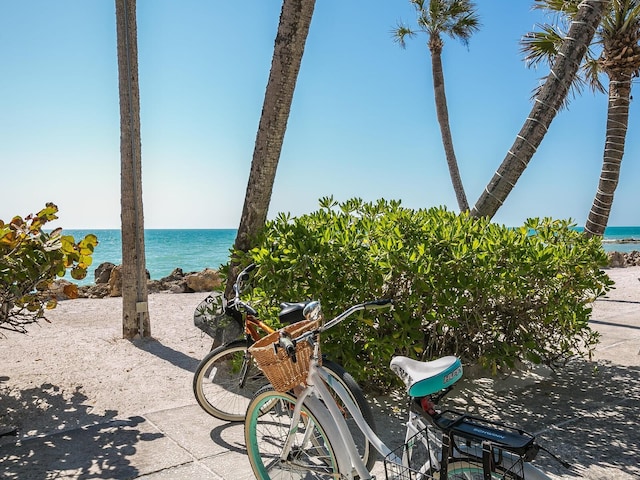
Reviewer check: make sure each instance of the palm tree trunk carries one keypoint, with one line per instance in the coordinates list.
(293, 28)
(443, 119)
(547, 103)
(135, 313)
(617, 123)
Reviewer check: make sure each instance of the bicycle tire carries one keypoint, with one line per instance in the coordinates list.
(218, 383)
(472, 469)
(312, 455)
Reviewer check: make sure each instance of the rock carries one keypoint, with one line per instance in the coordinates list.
(179, 288)
(94, 291)
(177, 282)
(624, 259)
(155, 286)
(633, 258)
(115, 282)
(204, 281)
(103, 272)
(62, 290)
(174, 276)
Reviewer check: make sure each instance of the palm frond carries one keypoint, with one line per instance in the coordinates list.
(541, 46)
(575, 90)
(590, 71)
(562, 7)
(400, 33)
(455, 18)
(623, 18)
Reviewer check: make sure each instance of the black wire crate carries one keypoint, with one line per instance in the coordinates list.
(471, 459)
(467, 459)
(417, 456)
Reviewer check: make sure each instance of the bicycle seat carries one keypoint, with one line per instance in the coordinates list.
(291, 312)
(425, 378)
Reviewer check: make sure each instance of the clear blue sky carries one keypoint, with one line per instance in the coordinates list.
(362, 123)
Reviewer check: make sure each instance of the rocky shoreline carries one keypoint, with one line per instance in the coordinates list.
(108, 281)
(624, 259)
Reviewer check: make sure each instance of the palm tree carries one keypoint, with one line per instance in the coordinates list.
(135, 313)
(549, 99)
(457, 19)
(293, 28)
(616, 40)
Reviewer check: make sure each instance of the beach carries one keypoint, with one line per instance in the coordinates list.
(77, 371)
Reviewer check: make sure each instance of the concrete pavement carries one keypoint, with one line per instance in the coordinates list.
(587, 413)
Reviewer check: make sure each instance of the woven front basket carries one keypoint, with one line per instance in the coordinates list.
(277, 366)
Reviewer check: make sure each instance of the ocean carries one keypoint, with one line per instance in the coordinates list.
(165, 250)
(195, 250)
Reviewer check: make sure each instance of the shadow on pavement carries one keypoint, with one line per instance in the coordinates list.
(168, 354)
(585, 413)
(99, 447)
(222, 436)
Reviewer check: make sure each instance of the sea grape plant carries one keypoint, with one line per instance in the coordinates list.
(30, 260)
(490, 294)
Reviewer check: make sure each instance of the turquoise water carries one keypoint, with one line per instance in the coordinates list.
(621, 239)
(195, 250)
(165, 250)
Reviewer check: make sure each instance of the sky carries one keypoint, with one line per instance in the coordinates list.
(362, 123)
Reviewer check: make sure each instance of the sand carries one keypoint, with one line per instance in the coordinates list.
(77, 370)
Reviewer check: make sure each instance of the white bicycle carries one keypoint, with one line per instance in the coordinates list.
(306, 437)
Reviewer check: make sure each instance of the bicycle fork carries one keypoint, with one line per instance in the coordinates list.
(308, 440)
(344, 447)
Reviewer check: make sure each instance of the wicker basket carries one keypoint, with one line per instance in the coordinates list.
(277, 366)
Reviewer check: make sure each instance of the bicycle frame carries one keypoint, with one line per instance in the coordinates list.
(251, 326)
(317, 386)
(439, 442)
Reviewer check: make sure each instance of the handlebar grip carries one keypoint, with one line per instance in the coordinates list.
(380, 303)
(288, 345)
(244, 274)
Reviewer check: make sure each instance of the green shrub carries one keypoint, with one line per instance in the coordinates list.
(490, 294)
(30, 260)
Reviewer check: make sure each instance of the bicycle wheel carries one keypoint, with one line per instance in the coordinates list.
(473, 470)
(267, 426)
(365, 449)
(226, 380)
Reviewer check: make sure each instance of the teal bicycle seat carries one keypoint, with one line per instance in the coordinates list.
(425, 378)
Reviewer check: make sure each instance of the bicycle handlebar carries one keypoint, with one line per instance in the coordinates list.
(236, 302)
(371, 305)
(313, 311)
(377, 304)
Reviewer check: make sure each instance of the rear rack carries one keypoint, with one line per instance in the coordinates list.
(456, 445)
(421, 458)
(501, 436)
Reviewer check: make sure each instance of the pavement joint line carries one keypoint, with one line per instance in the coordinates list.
(148, 474)
(592, 414)
(621, 342)
(612, 324)
(194, 459)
